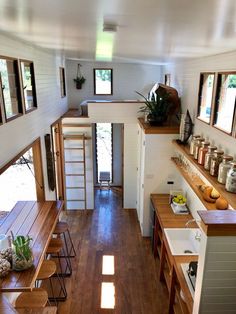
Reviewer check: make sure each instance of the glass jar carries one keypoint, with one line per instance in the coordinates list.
(193, 143)
(224, 168)
(231, 179)
(208, 156)
(197, 147)
(202, 152)
(215, 162)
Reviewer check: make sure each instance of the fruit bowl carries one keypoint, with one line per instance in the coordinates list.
(178, 204)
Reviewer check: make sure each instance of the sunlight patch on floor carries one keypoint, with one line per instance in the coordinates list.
(108, 295)
(108, 267)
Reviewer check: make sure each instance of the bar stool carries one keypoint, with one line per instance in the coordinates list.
(48, 270)
(62, 228)
(37, 298)
(55, 248)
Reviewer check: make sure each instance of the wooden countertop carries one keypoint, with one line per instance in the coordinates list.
(166, 128)
(168, 219)
(165, 214)
(38, 220)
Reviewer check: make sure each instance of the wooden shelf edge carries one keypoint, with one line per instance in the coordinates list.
(230, 197)
(193, 185)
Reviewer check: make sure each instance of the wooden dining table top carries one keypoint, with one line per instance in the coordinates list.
(38, 220)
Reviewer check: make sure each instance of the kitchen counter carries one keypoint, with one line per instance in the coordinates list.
(170, 266)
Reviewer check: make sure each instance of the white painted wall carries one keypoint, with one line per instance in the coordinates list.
(17, 134)
(126, 113)
(127, 78)
(157, 169)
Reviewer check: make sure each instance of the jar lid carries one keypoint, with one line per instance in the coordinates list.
(233, 165)
(219, 152)
(205, 144)
(227, 157)
(200, 140)
(212, 148)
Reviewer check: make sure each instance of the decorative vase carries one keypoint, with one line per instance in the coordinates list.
(21, 260)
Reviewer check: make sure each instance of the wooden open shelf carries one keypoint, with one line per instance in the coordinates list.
(230, 197)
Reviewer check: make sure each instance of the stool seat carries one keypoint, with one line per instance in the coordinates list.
(55, 246)
(61, 227)
(47, 270)
(33, 299)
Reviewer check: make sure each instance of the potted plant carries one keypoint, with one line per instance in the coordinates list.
(22, 257)
(80, 79)
(156, 108)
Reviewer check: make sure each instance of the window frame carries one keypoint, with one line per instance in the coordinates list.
(4, 118)
(216, 105)
(167, 79)
(94, 81)
(34, 95)
(62, 81)
(212, 98)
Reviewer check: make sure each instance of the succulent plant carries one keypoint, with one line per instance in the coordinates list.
(22, 247)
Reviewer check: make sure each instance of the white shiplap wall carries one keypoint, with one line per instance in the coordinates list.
(185, 78)
(17, 134)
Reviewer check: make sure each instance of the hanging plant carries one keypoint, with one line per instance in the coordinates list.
(80, 79)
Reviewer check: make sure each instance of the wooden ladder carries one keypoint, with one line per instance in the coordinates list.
(83, 162)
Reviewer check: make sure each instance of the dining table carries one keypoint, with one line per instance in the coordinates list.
(37, 220)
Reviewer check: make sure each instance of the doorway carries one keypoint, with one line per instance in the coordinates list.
(108, 141)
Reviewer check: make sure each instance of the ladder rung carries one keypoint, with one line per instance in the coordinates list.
(76, 200)
(74, 162)
(73, 148)
(74, 174)
(76, 137)
(75, 187)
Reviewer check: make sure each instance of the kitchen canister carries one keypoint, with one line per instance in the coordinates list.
(193, 143)
(230, 185)
(224, 167)
(202, 152)
(208, 156)
(197, 147)
(215, 162)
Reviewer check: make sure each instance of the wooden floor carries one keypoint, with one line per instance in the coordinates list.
(111, 230)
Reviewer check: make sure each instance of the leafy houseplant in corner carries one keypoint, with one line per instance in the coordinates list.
(22, 257)
(156, 108)
(80, 79)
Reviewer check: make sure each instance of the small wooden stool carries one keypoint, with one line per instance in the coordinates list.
(55, 248)
(62, 228)
(48, 270)
(33, 299)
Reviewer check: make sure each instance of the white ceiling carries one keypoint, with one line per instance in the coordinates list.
(153, 31)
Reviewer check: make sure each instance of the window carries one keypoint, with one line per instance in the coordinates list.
(103, 81)
(10, 88)
(62, 82)
(167, 79)
(225, 101)
(205, 96)
(28, 85)
(22, 177)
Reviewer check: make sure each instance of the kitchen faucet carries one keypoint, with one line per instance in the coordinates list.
(198, 234)
(189, 222)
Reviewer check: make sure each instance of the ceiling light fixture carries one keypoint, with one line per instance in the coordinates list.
(111, 28)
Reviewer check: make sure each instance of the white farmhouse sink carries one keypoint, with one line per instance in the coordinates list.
(183, 241)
